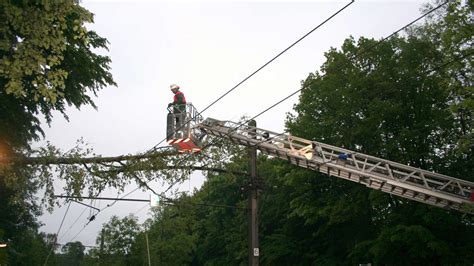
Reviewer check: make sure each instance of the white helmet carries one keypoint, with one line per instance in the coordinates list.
(174, 86)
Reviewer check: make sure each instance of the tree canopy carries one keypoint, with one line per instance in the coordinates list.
(407, 99)
(48, 61)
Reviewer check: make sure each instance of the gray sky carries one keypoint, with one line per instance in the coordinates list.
(206, 48)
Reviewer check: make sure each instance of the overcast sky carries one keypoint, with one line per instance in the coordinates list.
(206, 48)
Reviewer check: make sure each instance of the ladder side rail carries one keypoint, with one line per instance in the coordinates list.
(301, 143)
(388, 169)
(370, 157)
(377, 159)
(370, 177)
(402, 172)
(405, 173)
(373, 164)
(367, 160)
(411, 190)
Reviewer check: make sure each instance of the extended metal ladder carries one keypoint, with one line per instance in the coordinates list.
(390, 177)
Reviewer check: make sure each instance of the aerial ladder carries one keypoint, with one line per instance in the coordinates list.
(376, 173)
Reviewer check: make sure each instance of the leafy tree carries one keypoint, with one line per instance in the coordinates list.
(46, 63)
(115, 240)
(394, 101)
(223, 231)
(207, 228)
(18, 222)
(452, 30)
(171, 237)
(73, 254)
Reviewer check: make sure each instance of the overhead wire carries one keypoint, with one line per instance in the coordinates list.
(253, 73)
(168, 201)
(154, 148)
(57, 234)
(260, 68)
(256, 71)
(141, 209)
(80, 231)
(100, 210)
(75, 221)
(358, 54)
(364, 50)
(110, 205)
(289, 96)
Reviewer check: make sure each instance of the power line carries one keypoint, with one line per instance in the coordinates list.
(100, 198)
(245, 79)
(82, 229)
(90, 206)
(75, 221)
(166, 201)
(109, 205)
(406, 26)
(260, 68)
(141, 209)
(56, 236)
(292, 94)
(369, 48)
(117, 199)
(252, 74)
(299, 90)
(91, 218)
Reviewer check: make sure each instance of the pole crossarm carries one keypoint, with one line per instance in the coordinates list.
(390, 177)
(164, 200)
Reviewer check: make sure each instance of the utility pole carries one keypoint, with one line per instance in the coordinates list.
(148, 249)
(254, 251)
(101, 253)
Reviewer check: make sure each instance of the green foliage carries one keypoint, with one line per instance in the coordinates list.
(18, 224)
(46, 63)
(379, 102)
(118, 235)
(452, 30)
(114, 242)
(25, 247)
(397, 100)
(393, 100)
(407, 99)
(193, 231)
(405, 245)
(73, 254)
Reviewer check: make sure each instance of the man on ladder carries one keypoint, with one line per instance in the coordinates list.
(178, 111)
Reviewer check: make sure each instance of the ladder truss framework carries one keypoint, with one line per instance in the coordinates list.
(390, 177)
